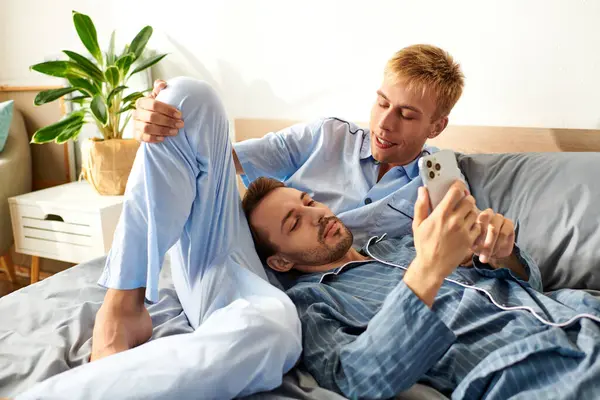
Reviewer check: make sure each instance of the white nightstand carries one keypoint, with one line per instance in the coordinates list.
(70, 222)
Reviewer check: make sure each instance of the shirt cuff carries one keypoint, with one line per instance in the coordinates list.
(243, 150)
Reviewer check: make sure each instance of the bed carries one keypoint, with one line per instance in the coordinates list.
(46, 328)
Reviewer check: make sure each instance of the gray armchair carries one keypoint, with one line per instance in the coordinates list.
(15, 179)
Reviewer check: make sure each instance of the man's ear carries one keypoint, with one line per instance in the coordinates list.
(279, 263)
(438, 127)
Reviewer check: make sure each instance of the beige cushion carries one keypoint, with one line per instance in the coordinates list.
(15, 174)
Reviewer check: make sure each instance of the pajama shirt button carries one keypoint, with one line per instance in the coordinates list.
(368, 200)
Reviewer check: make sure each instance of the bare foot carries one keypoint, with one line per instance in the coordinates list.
(123, 322)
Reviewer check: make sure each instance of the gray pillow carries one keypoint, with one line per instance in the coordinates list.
(554, 198)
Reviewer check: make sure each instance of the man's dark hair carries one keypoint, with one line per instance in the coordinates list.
(256, 192)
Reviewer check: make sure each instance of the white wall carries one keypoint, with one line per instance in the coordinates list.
(528, 62)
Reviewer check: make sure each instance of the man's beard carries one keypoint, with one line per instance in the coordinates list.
(324, 253)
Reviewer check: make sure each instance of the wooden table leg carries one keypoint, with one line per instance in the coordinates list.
(35, 269)
(9, 267)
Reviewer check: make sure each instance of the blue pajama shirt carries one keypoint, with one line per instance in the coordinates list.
(489, 334)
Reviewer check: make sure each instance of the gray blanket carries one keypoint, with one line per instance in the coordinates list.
(46, 329)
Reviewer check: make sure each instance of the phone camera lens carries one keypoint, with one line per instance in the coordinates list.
(429, 164)
(438, 167)
(431, 174)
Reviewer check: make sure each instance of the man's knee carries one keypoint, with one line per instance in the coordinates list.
(206, 124)
(189, 95)
(278, 324)
(275, 320)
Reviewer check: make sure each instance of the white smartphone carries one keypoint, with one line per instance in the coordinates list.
(439, 171)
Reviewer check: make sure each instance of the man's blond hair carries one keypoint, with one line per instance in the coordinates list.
(424, 67)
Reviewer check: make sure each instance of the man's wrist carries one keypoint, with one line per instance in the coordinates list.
(503, 262)
(423, 280)
(512, 263)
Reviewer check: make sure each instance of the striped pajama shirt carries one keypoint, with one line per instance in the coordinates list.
(489, 334)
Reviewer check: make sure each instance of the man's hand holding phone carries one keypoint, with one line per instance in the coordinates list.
(442, 239)
(439, 171)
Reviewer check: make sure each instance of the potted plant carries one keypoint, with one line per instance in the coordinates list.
(98, 85)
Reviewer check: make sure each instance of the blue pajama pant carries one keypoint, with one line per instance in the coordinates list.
(182, 197)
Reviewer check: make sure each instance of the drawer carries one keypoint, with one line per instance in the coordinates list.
(49, 217)
(57, 236)
(54, 232)
(58, 250)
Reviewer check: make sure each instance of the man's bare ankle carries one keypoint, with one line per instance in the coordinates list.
(125, 300)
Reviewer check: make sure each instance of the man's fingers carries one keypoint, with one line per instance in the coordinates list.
(506, 240)
(421, 207)
(505, 249)
(484, 219)
(149, 104)
(471, 219)
(476, 231)
(155, 130)
(158, 86)
(145, 137)
(493, 232)
(452, 197)
(160, 83)
(465, 207)
(155, 118)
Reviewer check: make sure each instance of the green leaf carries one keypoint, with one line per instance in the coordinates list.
(132, 97)
(148, 63)
(99, 109)
(124, 62)
(127, 108)
(50, 132)
(61, 69)
(71, 132)
(47, 96)
(87, 33)
(138, 44)
(112, 75)
(113, 93)
(78, 99)
(84, 86)
(110, 54)
(86, 65)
